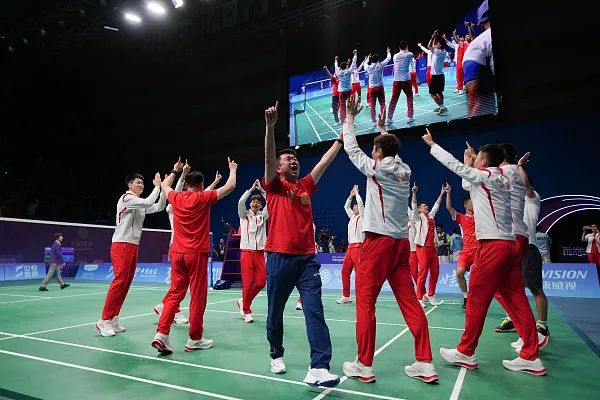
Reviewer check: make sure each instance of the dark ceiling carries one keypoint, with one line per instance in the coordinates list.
(86, 102)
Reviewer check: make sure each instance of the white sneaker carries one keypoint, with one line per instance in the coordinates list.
(202, 344)
(375, 125)
(298, 306)
(455, 91)
(534, 367)
(104, 328)
(442, 111)
(410, 120)
(248, 318)
(542, 342)
(431, 300)
(240, 305)
(455, 357)
(344, 300)
(116, 326)
(158, 309)
(388, 121)
(336, 124)
(321, 377)
(355, 369)
(278, 366)
(180, 318)
(460, 92)
(416, 94)
(162, 344)
(422, 303)
(424, 371)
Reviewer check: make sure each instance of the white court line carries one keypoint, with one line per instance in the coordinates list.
(93, 323)
(21, 295)
(313, 125)
(326, 123)
(458, 385)
(335, 320)
(37, 221)
(69, 296)
(123, 376)
(389, 342)
(187, 364)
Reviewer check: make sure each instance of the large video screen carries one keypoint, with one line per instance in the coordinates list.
(450, 80)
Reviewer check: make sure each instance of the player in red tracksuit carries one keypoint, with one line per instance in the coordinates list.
(355, 239)
(495, 267)
(385, 252)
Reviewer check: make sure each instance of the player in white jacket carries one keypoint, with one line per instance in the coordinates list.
(355, 239)
(131, 212)
(385, 251)
(494, 271)
(253, 234)
(426, 242)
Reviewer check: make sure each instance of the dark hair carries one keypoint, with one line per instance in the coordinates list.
(286, 151)
(456, 230)
(403, 45)
(343, 65)
(194, 178)
(419, 204)
(375, 58)
(440, 40)
(257, 197)
(510, 152)
(465, 199)
(132, 177)
(439, 226)
(57, 235)
(389, 145)
(493, 154)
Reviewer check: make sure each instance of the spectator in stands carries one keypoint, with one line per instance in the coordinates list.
(56, 263)
(543, 243)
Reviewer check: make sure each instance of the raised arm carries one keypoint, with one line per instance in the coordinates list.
(470, 174)
(356, 155)
(242, 201)
(181, 180)
(359, 201)
(270, 158)
(134, 202)
(348, 203)
(528, 186)
(425, 49)
(437, 204)
(214, 183)
(449, 207)
(387, 58)
(327, 70)
(353, 64)
(319, 169)
(469, 26)
(413, 204)
(584, 235)
(455, 37)
(231, 180)
(168, 182)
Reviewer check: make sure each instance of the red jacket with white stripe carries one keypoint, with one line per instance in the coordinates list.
(131, 212)
(421, 224)
(355, 234)
(253, 227)
(387, 189)
(490, 193)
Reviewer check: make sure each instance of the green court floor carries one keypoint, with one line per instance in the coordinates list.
(317, 123)
(50, 350)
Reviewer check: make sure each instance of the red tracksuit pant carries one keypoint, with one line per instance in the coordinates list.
(460, 76)
(413, 81)
(124, 258)
(414, 266)
(187, 269)
(254, 276)
(350, 263)
(397, 88)
(376, 94)
(496, 269)
(343, 97)
(385, 258)
(429, 263)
